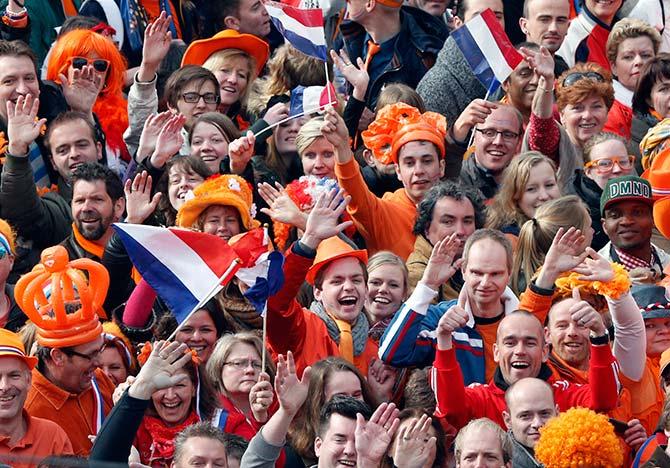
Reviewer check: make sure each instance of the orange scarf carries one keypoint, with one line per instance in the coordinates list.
(98, 250)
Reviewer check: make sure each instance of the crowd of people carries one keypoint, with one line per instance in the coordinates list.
(472, 276)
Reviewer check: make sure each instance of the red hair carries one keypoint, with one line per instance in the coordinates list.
(110, 107)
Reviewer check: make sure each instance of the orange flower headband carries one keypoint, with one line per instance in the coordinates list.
(56, 328)
(613, 289)
(399, 124)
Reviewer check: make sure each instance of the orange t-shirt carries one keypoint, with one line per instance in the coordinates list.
(73, 412)
(42, 439)
(488, 331)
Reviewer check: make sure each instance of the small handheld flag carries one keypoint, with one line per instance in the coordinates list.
(488, 50)
(303, 28)
(311, 99)
(185, 268)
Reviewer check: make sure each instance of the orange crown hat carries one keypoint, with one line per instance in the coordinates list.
(228, 190)
(658, 175)
(330, 250)
(12, 346)
(56, 328)
(199, 51)
(399, 124)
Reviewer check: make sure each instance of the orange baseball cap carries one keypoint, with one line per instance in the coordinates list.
(330, 250)
(12, 346)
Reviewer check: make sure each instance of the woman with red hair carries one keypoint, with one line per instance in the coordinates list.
(82, 47)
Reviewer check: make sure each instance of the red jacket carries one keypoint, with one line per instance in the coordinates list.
(294, 328)
(459, 404)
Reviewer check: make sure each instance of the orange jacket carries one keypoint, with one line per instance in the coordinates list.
(385, 223)
(74, 413)
(294, 328)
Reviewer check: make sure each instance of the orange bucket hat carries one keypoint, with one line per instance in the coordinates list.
(228, 190)
(56, 328)
(330, 250)
(12, 346)
(400, 123)
(199, 51)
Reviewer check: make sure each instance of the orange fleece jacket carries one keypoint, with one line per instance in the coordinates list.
(385, 223)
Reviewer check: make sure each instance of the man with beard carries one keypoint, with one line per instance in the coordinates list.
(67, 386)
(71, 138)
(627, 219)
(24, 439)
(97, 202)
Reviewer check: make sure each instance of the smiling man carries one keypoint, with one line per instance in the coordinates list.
(530, 404)
(627, 219)
(417, 149)
(24, 439)
(486, 265)
(335, 324)
(67, 386)
(498, 130)
(520, 351)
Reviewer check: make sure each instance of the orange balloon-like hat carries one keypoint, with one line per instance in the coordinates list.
(400, 123)
(56, 328)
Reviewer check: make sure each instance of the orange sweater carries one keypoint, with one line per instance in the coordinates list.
(385, 223)
(74, 413)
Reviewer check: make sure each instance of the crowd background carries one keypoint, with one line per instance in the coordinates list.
(472, 277)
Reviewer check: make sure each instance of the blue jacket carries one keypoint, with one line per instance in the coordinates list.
(420, 39)
(410, 338)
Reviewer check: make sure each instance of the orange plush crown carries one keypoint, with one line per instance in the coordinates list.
(56, 328)
(400, 123)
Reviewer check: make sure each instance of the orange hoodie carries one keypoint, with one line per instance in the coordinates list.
(385, 223)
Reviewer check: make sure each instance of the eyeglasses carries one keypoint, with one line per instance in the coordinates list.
(491, 133)
(89, 357)
(241, 364)
(192, 98)
(100, 65)
(606, 165)
(573, 78)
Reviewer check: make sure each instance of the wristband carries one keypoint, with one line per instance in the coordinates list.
(600, 340)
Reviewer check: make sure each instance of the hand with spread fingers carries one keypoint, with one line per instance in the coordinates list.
(139, 202)
(169, 141)
(81, 88)
(323, 221)
(565, 253)
(23, 127)
(161, 369)
(415, 447)
(442, 263)
(355, 73)
(595, 267)
(281, 207)
(373, 437)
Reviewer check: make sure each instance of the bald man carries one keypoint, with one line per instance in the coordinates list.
(530, 404)
(521, 351)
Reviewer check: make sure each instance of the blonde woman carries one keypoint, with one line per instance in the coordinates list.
(537, 234)
(528, 182)
(388, 288)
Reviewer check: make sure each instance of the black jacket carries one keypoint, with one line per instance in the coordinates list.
(420, 39)
(586, 189)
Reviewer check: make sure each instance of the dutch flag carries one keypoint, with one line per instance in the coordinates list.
(303, 28)
(185, 268)
(487, 49)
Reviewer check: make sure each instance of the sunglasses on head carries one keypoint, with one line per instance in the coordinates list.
(573, 78)
(100, 65)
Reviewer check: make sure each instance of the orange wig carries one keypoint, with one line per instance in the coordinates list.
(110, 107)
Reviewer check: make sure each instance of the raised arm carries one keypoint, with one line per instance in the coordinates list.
(407, 340)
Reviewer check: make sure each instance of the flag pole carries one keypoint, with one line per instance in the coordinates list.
(486, 98)
(265, 335)
(291, 117)
(215, 289)
(330, 96)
